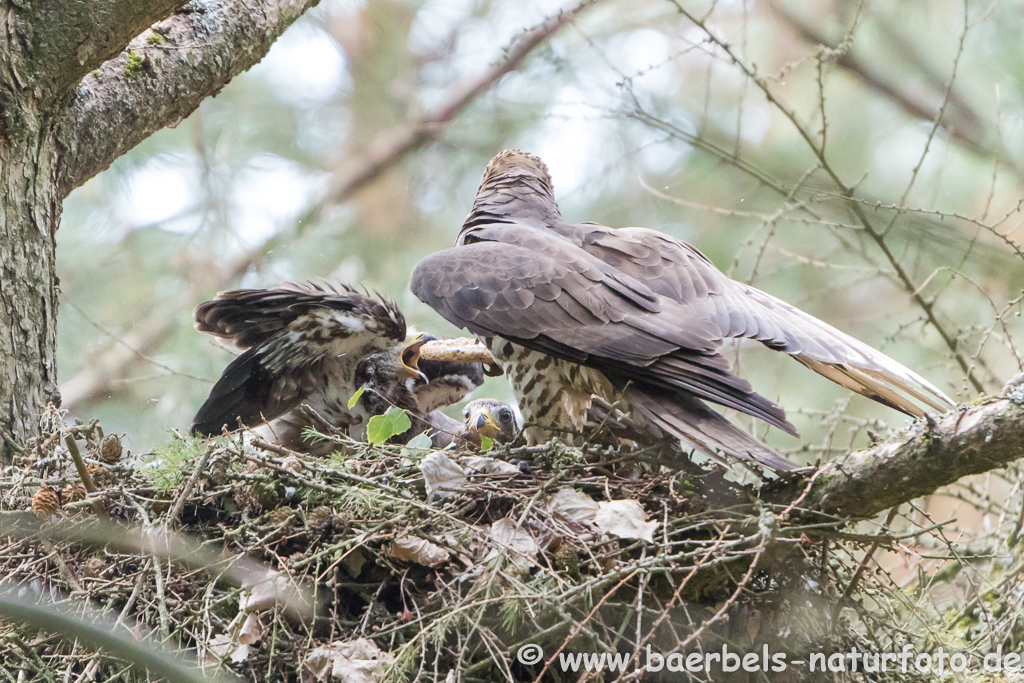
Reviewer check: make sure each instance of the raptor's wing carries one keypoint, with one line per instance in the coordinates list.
(536, 289)
(679, 271)
(289, 334)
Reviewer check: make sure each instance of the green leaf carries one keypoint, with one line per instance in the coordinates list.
(380, 428)
(421, 440)
(355, 397)
(486, 443)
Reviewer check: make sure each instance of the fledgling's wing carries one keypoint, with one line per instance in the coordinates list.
(290, 335)
(250, 317)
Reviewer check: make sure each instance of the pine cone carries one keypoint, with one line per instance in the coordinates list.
(93, 567)
(320, 517)
(46, 502)
(266, 495)
(110, 449)
(568, 560)
(341, 521)
(72, 493)
(218, 471)
(292, 464)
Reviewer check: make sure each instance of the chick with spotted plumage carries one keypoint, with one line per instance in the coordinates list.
(307, 350)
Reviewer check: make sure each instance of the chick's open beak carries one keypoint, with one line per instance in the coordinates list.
(416, 374)
(411, 357)
(485, 424)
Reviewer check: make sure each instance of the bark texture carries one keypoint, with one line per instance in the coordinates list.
(58, 129)
(974, 439)
(66, 40)
(28, 298)
(162, 77)
(29, 213)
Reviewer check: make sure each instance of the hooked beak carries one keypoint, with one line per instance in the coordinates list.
(485, 425)
(411, 357)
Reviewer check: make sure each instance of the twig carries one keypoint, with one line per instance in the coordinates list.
(179, 504)
(848, 193)
(76, 457)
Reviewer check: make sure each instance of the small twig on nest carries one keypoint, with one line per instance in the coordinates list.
(179, 504)
(76, 457)
(11, 443)
(158, 577)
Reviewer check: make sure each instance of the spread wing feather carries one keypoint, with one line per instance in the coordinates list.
(247, 395)
(250, 317)
(680, 272)
(702, 428)
(291, 336)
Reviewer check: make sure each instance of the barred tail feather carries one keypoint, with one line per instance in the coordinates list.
(851, 363)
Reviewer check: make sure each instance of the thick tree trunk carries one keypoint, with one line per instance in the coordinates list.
(29, 213)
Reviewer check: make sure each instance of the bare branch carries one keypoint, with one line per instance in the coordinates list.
(66, 40)
(975, 439)
(163, 76)
(961, 122)
(429, 127)
(849, 193)
(96, 377)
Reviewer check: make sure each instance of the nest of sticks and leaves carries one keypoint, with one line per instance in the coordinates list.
(401, 563)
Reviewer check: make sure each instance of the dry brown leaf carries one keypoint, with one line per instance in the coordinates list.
(573, 506)
(522, 549)
(356, 661)
(421, 551)
(224, 647)
(235, 645)
(252, 630)
(443, 476)
(354, 561)
(268, 589)
(484, 465)
(625, 519)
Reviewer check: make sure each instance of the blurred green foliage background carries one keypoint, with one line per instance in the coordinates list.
(643, 120)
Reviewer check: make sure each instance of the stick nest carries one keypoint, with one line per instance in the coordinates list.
(426, 563)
